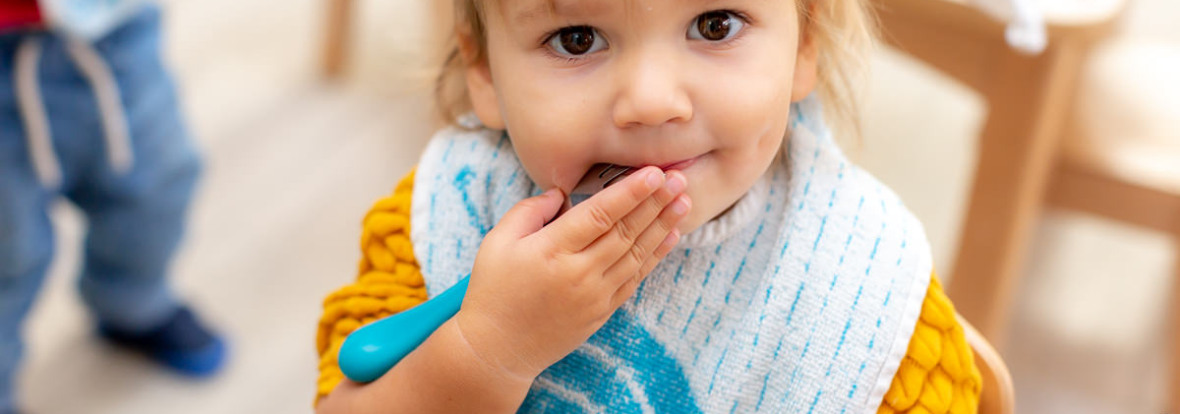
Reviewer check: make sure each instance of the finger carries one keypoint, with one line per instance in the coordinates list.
(615, 243)
(530, 215)
(589, 220)
(627, 290)
(646, 245)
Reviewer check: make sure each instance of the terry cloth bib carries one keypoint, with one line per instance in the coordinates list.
(806, 303)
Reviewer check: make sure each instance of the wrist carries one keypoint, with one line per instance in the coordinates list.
(495, 349)
(444, 374)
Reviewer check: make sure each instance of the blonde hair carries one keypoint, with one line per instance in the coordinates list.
(844, 32)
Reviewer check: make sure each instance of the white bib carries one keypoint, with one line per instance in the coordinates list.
(805, 304)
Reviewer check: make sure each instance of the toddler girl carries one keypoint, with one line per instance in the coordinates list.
(745, 266)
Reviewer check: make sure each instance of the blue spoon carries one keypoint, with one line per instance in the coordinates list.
(373, 349)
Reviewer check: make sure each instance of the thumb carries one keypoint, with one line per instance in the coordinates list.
(531, 214)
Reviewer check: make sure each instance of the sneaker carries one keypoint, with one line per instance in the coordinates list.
(181, 343)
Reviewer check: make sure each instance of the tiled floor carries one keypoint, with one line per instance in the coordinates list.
(293, 163)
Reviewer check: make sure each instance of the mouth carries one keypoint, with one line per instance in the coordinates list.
(674, 165)
(604, 175)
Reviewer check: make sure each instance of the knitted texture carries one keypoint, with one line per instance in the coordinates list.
(389, 282)
(938, 374)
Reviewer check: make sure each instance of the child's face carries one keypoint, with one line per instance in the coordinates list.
(702, 86)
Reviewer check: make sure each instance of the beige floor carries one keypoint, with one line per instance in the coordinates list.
(293, 163)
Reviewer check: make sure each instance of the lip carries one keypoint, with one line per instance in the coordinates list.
(675, 165)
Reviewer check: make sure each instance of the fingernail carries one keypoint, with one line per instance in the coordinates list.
(680, 206)
(675, 184)
(673, 237)
(653, 179)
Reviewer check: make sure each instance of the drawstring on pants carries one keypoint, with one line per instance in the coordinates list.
(32, 109)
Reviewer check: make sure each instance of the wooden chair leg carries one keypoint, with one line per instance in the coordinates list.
(1028, 99)
(336, 37)
(999, 394)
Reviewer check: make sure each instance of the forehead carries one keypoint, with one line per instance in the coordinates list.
(520, 10)
(526, 10)
(523, 10)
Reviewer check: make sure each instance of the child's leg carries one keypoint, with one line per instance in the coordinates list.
(137, 216)
(26, 235)
(26, 249)
(136, 195)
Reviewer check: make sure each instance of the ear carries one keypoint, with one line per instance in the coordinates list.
(806, 62)
(480, 89)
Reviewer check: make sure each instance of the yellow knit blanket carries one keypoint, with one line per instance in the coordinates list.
(938, 374)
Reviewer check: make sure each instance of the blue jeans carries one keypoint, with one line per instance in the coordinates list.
(135, 215)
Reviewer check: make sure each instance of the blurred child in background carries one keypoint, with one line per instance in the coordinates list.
(88, 111)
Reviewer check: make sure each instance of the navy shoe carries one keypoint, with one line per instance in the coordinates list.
(181, 343)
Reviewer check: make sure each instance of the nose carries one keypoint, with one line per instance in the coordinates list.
(651, 92)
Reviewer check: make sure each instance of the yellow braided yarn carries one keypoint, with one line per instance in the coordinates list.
(388, 282)
(938, 374)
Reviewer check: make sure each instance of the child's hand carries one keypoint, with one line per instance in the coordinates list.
(537, 292)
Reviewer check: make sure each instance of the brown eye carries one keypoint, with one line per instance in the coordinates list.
(716, 26)
(576, 41)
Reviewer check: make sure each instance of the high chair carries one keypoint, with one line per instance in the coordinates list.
(999, 396)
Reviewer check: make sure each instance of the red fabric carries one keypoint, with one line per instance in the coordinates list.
(17, 13)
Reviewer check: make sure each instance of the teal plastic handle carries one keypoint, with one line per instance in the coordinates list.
(369, 352)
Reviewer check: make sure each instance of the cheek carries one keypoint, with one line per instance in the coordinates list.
(551, 120)
(753, 119)
(747, 109)
(549, 160)
(748, 93)
(554, 143)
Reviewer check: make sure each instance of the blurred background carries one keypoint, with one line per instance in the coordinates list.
(295, 158)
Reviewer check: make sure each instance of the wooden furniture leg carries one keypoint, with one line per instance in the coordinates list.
(336, 38)
(999, 393)
(1027, 98)
(1027, 102)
